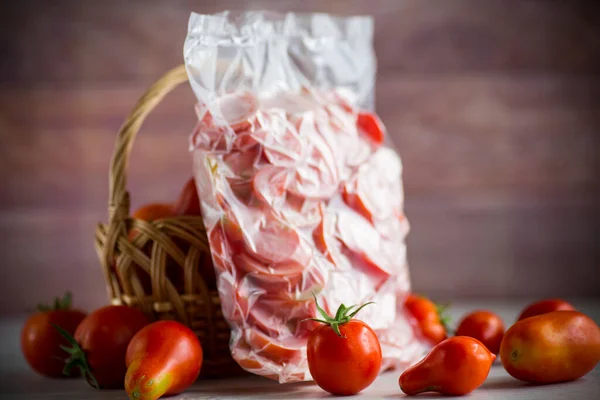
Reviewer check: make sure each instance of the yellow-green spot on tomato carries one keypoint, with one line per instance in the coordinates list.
(150, 382)
(514, 355)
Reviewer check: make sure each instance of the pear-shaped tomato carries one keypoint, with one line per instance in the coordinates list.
(454, 367)
(164, 358)
(553, 347)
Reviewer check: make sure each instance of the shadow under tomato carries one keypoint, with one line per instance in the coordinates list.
(253, 386)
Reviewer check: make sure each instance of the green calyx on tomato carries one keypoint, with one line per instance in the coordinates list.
(445, 319)
(63, 303)
(344, 314)
(77, 358)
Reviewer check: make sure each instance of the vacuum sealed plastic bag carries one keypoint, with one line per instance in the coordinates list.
(300, 194)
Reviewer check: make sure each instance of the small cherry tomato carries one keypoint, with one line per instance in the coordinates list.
(484, 326)
(188, 202)
(40, 342)
(428, 318)
(163, 359)
(344, 355)
(545, 306)
(100, 343)
(454, 367)
(553, 347)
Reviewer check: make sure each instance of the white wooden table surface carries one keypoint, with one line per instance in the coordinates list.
(18, 382)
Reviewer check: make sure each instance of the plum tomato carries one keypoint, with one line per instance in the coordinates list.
(163, 358)
(553, 347)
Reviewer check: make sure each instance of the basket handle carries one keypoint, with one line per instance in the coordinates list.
(118, 203)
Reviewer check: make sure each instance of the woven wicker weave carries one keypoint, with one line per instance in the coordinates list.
(139, 272)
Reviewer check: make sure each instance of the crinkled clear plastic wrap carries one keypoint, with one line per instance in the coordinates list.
(300, 194)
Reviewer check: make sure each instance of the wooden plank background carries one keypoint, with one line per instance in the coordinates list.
(493, 105)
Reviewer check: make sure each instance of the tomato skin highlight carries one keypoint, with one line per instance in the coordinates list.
(455, 367)
(40, 342)
(545, 306)
(104, 336)
(427, 316)
(344, 365)
(484, 326)
(163, 358)
(554, 347)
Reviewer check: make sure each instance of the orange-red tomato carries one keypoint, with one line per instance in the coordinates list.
(545, 306)
(40, 342)
(427, 316)
(188, 202)
(344, 362)
(100, 343)
(163, 359)
(454, 367)
(152, 211)
(553, 347)
(484, 326)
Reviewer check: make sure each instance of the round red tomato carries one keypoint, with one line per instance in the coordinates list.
(40, 341)
(344, 355)
(100, 343)
(545, 306)
(484, 326)
(164, 358)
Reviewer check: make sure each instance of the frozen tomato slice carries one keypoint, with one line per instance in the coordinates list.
(277, 349)
(236, 109)
(247, 359)
(293, 287)
(236, 308)
(270, 184)
(233, 232)
(371, 126)
(241, 164)
(300, 212)
(317, 176)
(209, 137)
(361, 238)
(277, 271)
(377, 191)
(272, 241)
(218, 249)
(281, 145)
(244, 141)
(325, 241)
(394, 227)
(354, 201)
(242, 190)
(279, 317)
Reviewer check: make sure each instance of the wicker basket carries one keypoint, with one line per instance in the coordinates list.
(139, 272)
